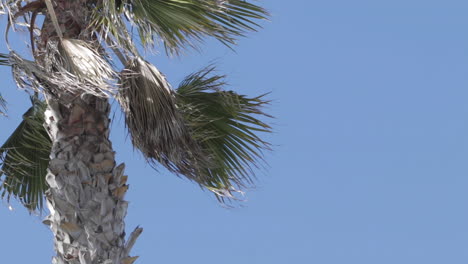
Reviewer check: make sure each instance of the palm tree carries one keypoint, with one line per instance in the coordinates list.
(84, 54)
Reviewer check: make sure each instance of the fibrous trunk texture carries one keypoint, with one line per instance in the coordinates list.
(86, 194)
(86, 191)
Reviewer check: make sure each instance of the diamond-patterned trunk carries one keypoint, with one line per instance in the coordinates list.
(86, 191)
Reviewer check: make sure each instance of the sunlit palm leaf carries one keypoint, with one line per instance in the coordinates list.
(225, 125)
(178, 22)
(24, 159)
(85, 62)
(89, 67)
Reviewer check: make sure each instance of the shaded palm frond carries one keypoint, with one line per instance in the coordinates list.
(154, 123)
(24, 158)
(26, 73)
(107, 21)
(225, 125)
(178, 22)
(4, 59)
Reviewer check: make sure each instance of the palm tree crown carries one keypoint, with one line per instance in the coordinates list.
(198, 130)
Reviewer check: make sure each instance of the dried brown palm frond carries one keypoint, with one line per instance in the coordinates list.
(153, 121)
(2, 106)
(27, 73)
(85, 62)
(80, 71)
(30, 75)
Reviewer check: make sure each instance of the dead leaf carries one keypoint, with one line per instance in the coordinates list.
(120, 192)
(129, 260)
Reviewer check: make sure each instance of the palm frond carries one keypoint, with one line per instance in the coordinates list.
(26, 73)
(225, 125)
(86, 63)
(2, 106)
(155, 125)
(61, 75)
(24, 158)
(178, 22)
(4, 59)
(107, 22)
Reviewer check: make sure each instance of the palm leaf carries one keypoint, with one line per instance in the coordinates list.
(225, 125)
(2, 106)
(4, 59)
(85, 62)
(155, 125)
(178, 22)
(24, 159)
(107, 22)
(84, 66)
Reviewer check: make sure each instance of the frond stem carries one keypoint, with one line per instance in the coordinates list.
(53, 17)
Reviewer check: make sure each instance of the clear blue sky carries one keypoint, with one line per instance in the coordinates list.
(371, 145)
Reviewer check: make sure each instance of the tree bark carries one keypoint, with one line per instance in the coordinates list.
(86, 191)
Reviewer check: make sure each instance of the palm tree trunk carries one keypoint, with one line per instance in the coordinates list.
(86, 191)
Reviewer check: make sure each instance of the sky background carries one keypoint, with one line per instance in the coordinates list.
(370, 161)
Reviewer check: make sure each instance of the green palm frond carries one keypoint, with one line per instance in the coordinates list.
(4, 59)
(24, 158)
(200, 132)
(178, 22)
(107, 22)
(225, 125)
